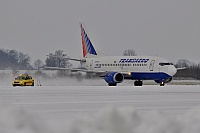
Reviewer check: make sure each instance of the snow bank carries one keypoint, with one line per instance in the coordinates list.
(14, 120)
(110, 120)
(128, 120)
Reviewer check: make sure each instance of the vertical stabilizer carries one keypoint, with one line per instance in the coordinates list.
(87, 46)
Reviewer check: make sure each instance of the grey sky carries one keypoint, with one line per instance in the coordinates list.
(167, 28)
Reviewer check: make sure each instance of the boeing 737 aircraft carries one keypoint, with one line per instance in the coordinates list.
(116, 69)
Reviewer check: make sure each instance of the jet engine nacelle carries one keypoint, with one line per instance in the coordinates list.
(114, 77)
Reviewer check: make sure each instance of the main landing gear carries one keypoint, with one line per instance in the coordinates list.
(138, 83)
(112, 84)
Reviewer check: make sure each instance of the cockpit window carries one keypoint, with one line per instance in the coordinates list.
(165, 64)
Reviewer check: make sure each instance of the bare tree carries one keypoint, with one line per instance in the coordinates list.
(38, 64)
(24, 59)
(183, 63)
(14, 59)
(57, 60)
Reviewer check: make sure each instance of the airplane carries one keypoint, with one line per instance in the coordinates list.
(116, 69)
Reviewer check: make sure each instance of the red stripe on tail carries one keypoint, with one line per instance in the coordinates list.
(83, 42)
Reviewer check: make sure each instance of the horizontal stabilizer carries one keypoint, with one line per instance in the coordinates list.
(67, 58)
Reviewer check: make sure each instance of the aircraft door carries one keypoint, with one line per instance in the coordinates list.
(121, 66)
(151, 66)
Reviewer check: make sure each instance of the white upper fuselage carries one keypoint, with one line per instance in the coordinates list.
(133, 64)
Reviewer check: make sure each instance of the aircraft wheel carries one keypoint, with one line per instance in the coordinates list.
(162, 84)
(112, 84)
(138, 83)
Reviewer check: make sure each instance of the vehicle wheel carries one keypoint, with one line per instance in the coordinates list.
(24, 84)
(32, 84)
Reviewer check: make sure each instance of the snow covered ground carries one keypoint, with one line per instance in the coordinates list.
(100, 109)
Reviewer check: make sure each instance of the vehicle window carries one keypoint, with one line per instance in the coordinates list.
(20, 77)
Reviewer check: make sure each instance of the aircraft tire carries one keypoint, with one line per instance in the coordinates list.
(112, 84)
(162, 84)
(138, 83)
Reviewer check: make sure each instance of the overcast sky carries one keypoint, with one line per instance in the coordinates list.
(166, 28)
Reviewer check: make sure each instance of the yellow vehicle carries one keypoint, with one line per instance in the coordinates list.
(23, 80)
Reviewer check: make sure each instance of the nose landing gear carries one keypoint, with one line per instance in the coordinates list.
(162, 84)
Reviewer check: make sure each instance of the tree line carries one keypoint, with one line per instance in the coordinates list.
(15, 60)
(12, 59)
(192, 70)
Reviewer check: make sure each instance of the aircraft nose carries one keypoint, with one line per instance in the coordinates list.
(172, 70)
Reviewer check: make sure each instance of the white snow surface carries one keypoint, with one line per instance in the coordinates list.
(100, 109)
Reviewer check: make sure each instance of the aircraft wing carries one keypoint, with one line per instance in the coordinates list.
(103, 73)
(73, 69)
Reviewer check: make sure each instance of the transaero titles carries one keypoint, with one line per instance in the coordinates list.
(133, 60)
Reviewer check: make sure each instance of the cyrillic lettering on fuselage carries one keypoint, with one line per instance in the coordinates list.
(133, 60)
